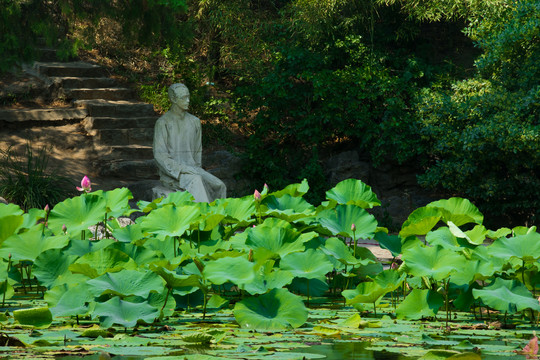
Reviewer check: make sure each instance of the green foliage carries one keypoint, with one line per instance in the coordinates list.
(26, 179)
(483, 133)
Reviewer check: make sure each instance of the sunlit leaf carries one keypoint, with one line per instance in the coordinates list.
(507, 296)
(170, 220)
(77, 214)
(420, 303)
(127, 283)
(309, 264)
(340, 219)
(124, 313)
(458, 210)
(420, 221)
(237, 270)
(353, 192)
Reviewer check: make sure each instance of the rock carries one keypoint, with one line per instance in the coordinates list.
(3, 201)
(346, 165)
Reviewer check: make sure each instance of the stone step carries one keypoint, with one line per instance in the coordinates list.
(106, 108)
(56, 114)
(124, 152)
(129, 169)
(137, 136)
(72, 69)
(98, 123)
(84, 82)
(99, 93)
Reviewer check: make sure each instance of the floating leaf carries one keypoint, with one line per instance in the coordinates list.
(37, 317)
(277, 310)
(353, 192)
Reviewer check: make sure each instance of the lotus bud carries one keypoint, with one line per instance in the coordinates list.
(257, 195)
(86, 185)
(353, 228)
(64, 228)
(266, 187)
(47, 209)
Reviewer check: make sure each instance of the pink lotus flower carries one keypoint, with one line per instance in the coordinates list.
(531, 349)
(86, 185)
(257, 195)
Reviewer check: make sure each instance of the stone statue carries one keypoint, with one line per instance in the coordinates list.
(178, 151)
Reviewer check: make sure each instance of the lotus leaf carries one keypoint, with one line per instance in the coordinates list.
(277, 241)
(309, 287)
(31, 218)
(237, 210)
(420, 221)
(124, 313)
(337, 248)
(353, 192)
(50, 264)
(435, 262)
(69, 300)
(523, 230)
(140, 254)
(178, 198)
(274, 311)
(170, 220)
(37, 317)
(129, 233)
(77, 214)
(30, 244)
(365, 292)
(99, 262)
(287, 207)
(127, 283)
(391, 243)
(83, 247)
(8, 225)
(340, 219)
(268, 278)
(458, 210)
(443, 237)
(507, 296)
(420, 303)
(237, 270)
(294, 190)
(175, 280)
(10, 209)
(524, 247)
(157, 300)
(117, 202)
(309, 264)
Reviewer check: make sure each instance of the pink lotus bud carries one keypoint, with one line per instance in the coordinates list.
(257, 195)
(353, 227)
(64, 228)
(266, 187)
(86, 185)
(47, 209)
(394, 266)
(531, 349)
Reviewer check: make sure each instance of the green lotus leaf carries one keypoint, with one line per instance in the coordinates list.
(83, 247)
(170, 220)
(157, 300)
(30, 244)
(140, 254)
(99, 262)
(128, 233)
(340, 219)
(420, 303)
(274, 311)
(237, 210)
(124, 313)
(175, 280)
(337, 248)
(117, 202)
(217, 302)
(420, 221)
(69, 300)
(443, 237)
(40, 318)
(365, 292)
(6, 290)
(507, 296)
(524, 247)
(458, 210)
(353, 192)
(308, 287)
(237, 270)
(178, 198)
(50, 264)
(502, 232)
(77, 214)
(389, 279)
(127, 283)
(476, 236)
(10, 209)
(276, 241)
(309, 264)
(287, 207)
(523, 230)
(268, 278)
(9, 225)
(31, 218)
(391, 243)
(434, 261)
(294, 190)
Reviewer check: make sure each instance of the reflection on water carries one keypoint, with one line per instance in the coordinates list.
(351, 350)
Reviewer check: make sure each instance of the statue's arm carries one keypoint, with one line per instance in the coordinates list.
(163, 157)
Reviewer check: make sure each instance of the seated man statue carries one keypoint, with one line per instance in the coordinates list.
(178, 150)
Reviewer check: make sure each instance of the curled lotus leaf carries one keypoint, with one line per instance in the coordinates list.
(524, 247)
(277, 241)
(339, 221)
(420, 303)
(287, 207)
(458, 210)
(507, 296)
(274, 311)
(420, 221)
(353, 192)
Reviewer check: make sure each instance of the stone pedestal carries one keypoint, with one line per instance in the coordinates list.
(160, 191)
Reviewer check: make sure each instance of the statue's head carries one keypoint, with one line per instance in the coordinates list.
(179, 93)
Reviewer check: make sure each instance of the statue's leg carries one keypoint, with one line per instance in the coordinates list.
(194, 184)
(215, 187)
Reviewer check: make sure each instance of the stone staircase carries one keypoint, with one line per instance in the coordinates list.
(121, 129)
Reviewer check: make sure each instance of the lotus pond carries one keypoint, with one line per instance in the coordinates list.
(268, 276)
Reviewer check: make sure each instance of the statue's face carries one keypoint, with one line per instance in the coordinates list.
(181, 98)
